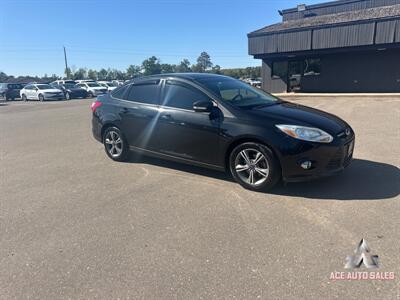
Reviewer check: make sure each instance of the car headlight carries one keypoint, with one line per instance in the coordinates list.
(309, 134)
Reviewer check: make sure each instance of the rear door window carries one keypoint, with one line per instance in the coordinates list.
(145, 92)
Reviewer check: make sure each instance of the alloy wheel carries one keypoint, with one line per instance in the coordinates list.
(252, 167)
(114, 143)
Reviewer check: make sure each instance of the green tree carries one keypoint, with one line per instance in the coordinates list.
(216, 69)
(167, 68)
(203, 62)
(81, 73)
(151, 66)
(183, 67)
(102, 74)
(110, 74)
(92, 74)
(132, 71)
(68, 73)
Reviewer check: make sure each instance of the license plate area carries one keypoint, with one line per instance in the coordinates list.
(350, 149)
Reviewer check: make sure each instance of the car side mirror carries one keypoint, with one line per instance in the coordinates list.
(36, 89)
(202, 106)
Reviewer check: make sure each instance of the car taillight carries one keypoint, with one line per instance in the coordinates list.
(95, 105)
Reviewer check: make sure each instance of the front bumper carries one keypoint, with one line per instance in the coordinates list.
(327, 159)
(54, 96)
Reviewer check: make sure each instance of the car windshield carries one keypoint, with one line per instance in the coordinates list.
(111, 84)
(237, 93)
(44, 86)
(70, 85)
(93, 84)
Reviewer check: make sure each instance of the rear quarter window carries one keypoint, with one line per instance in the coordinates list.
(119, 93)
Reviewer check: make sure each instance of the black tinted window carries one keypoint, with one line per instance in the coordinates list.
(119, 92)
(144, 92)
(15, 86)
(181, 95)
(279, 69)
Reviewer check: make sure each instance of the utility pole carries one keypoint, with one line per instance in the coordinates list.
(66, 63)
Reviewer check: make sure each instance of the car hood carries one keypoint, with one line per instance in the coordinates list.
(98, 88)
(295, 114)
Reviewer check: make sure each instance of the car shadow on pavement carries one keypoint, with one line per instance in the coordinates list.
(362, 180)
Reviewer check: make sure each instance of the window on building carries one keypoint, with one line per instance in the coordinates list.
(312, 66)
(144, 93)
(181, 95)
(279, 69)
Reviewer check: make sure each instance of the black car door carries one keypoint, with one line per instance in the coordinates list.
(138, 113)
(182, 132)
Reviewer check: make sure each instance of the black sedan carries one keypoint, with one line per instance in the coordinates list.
(71, 90)
(224, 124)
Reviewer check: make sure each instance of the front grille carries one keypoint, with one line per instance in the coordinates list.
(336, 160)
(340, 158)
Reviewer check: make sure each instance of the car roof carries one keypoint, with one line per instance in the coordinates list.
(187, 76)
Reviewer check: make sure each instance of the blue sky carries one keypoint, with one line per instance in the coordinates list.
(118, 33)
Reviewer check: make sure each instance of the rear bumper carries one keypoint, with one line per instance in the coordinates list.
(96, 128)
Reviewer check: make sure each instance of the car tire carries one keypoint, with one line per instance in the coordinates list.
(41, 98)
(115, 144)
(90, 95)
(254, 166)
(67, 96)
(24, 98)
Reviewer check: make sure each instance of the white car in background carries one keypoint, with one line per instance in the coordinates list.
(108, 84)
(118, 82)
(41, 92)
(93, 88)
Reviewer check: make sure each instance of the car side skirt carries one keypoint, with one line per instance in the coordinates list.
(175, 158)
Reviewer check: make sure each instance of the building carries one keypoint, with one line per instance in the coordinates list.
(339, 46)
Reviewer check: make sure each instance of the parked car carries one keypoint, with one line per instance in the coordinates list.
(108, 84)
(222, 123)
(92, 88)
(256, 82)
(118, 82)
(71, 90)
(41, 92)
(63, 81)
(84, 80)
(10, 91)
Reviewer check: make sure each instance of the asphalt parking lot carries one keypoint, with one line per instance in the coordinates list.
(74, 224)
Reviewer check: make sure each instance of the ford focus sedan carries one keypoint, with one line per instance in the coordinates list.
(221, 123)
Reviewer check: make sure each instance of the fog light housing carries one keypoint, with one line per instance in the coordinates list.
(306, 165)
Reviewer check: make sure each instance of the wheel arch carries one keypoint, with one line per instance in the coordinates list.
(247, 139)
(106, 126)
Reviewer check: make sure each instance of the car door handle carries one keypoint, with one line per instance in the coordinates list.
(166, 117)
